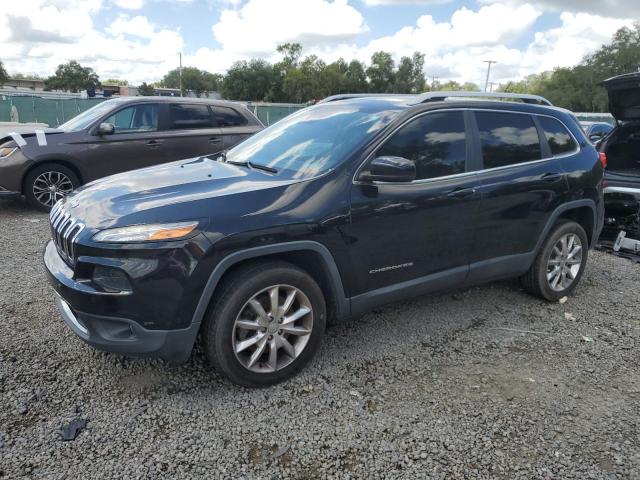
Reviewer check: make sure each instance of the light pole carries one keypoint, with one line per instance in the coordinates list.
(180, 72)
(488, 62)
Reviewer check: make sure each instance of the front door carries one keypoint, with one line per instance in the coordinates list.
(135, 143)
(415, 237)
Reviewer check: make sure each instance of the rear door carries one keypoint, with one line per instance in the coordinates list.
(190, 131)
(521, 183)
(233, 125)
(135, 143)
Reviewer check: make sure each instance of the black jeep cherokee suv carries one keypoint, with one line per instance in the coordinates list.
(334, 210)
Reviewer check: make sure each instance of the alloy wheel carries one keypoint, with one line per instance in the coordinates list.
(272, 329)
(49, 187)
(564, 262)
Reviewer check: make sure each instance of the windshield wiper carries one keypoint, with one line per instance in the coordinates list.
(257, 166)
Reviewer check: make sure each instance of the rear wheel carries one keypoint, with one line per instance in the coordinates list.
(265, 323)
(47, 184)
(559, 265)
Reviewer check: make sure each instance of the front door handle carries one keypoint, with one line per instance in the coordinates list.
(153, 144)
(461, 192)
(551, 177)
(215, 140)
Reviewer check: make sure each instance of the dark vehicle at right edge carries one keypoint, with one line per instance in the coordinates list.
(622, 151)
(337, 209)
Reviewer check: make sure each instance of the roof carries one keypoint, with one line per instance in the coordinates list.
(160, 99)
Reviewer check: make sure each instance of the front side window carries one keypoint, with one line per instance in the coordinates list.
(436, 142)
(559, 138)
(135, 119)
(507, 138)
(228, 117)
(183, 117)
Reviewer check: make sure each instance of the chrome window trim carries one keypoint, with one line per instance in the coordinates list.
(476, 172)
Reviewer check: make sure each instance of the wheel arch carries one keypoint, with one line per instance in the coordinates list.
(311, 256)
(582, 211)
(52, 161)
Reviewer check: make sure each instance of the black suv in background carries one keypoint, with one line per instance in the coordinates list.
(330, 212)
(115, 136)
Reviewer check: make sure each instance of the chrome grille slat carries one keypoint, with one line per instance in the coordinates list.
(65, 230)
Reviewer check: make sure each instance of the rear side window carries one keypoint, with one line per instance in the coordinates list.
(507, 138)
(559, 138)
(436, 142)
(228, 117)
(189, 116)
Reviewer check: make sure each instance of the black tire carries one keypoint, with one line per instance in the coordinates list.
(232, 297)
(57, 171)
(535, 280)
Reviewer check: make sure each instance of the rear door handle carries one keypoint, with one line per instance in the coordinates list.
(461, 192)
(153, 144)
(215, 140)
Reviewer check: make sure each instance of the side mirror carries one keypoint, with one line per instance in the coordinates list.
(389, 169)
(106, 128)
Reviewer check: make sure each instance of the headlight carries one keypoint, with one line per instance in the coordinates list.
(6, 152)
(153, 232)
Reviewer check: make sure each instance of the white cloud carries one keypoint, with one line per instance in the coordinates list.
(137, 26)
(606, 8)
(375, 3)
(130, 4)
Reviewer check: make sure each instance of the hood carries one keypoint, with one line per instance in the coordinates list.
(26, 136)
(160, 193)
(624, 96)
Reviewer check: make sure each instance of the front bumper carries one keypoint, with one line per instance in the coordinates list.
(79, 305)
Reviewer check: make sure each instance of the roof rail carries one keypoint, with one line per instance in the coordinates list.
(347, 96)
(523, 97)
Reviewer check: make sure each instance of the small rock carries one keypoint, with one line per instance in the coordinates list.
(563, 300)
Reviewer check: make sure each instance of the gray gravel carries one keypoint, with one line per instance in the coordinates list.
(481, 383)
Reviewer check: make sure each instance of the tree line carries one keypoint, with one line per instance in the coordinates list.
(299, 79)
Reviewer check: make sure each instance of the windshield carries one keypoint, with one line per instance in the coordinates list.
(86, 118)
(315, 139)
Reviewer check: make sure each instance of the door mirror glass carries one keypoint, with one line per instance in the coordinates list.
(106, 128)
(389, 169)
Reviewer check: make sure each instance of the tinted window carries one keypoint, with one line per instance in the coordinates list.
(138, 118)
(601, 129)
(507, 138)
(189, 116)
(228, 117)
(435, 142)
(560, 140)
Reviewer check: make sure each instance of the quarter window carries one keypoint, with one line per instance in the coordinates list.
(228, 117)
(183, 117)
(507, 139)
(135, 119)
(436, 142)
(560, 140)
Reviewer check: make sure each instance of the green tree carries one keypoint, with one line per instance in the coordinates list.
(73, 77)
(381, 73)
(252, 80)
(146, 90)
(193, 79)
(356, 77)
(4, 76)
(115, 81)
(409, 77)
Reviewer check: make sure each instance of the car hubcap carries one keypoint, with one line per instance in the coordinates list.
(565, 262)
(49, 187)
(272, 329)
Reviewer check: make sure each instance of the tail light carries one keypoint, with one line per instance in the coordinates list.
(603, 159)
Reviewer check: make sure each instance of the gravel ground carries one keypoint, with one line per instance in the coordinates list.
(481, 383)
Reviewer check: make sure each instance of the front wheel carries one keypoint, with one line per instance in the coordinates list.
(559, 265)
(265, 324)
(47, 184)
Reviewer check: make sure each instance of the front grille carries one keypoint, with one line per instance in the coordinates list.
(64, 232)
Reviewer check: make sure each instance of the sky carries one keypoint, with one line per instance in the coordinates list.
(139, 40)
